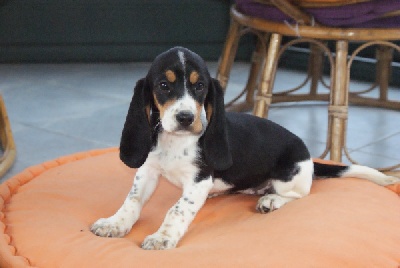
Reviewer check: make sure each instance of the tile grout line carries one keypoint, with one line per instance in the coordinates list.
(65, 135)
(376, 141)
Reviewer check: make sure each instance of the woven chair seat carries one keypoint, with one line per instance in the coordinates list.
(367, 14)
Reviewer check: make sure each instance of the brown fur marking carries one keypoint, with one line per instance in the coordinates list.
(197, 124)
(171, 77)
(164, 107)
(209, 111)
(194, 77)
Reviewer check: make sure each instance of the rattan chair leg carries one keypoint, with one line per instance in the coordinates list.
(256, 63)
(338, 109)
(315, 67)
(384, 56)
(252, 81)
(7, 141)
(264, 98)
(228, 54)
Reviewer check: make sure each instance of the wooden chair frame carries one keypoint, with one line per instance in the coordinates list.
(269, 49)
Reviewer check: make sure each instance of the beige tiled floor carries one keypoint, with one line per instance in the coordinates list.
(59, 109)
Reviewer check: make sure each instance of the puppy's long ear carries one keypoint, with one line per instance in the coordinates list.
(216, 147)
(136, 136)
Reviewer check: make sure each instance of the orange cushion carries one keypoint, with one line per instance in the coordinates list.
(46, 212)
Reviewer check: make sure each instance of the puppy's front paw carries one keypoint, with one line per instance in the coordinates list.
(269, 202)
(158, 241)
(110, 227)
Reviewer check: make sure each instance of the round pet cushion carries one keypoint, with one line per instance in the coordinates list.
(47, 210)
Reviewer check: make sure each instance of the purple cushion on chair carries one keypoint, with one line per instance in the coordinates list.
(366, 14)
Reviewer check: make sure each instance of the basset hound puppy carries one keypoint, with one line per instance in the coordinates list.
(177, 127)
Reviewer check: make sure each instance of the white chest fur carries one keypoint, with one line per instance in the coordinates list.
(175, 156)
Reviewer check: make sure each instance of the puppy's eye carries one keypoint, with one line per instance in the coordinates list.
(199, 86)
(164, 86)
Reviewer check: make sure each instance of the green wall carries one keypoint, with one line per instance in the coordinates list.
(126, 30)
(110, 30)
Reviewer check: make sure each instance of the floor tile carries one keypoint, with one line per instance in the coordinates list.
(368, 125)
(41, 104)
(35, 145)
(389, 147)
(371, 160)
(102, 126)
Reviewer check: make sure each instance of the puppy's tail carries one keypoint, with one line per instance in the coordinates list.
(354, 171)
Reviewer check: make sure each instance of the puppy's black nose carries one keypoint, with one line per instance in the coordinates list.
(185, 118)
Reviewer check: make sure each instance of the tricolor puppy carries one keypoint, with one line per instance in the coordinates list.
(177, 127)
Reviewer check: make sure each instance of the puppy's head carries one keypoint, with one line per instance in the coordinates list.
(177, 96)
(178, 81)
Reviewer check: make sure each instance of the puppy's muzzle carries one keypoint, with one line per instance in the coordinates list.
(185, 118)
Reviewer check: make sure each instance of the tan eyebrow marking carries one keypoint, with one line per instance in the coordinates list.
(170, 76)
(194, 77)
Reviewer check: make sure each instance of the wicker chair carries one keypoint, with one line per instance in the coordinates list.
(6, 141)
(306, 21)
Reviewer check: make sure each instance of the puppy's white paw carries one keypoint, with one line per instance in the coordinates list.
(270, 202)
(110, 227)
(158, 241)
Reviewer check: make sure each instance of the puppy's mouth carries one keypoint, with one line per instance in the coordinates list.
(183, 132)
(180, 131)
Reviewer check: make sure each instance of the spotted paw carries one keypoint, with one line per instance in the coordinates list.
(110, 227)
(158, 241)
(270, 202)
